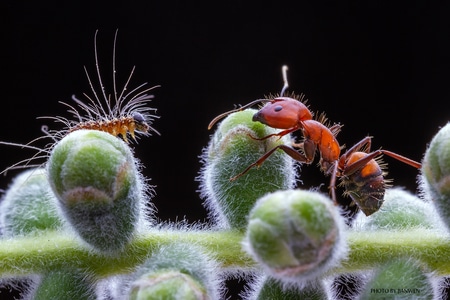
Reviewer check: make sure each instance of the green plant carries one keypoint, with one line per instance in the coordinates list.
(82, 227)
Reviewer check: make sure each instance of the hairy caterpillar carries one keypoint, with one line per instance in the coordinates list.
(123, 114)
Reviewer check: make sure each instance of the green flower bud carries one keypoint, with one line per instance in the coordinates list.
(167, 285)
(399, 279)
(100, 191)
(231, 150)
(63, 285)
(296, 235)
(177, 271)
(29, 206)
(270, 288)
(436, 172)
(401, 210)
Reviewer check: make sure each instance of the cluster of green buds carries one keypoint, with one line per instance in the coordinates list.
(93, 194)
(299, 238)
(91, 200)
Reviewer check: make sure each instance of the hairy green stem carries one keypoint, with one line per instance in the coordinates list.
(53, 250)
(370, 249)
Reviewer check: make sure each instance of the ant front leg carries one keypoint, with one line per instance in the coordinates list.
(288, 150)
(279, 134)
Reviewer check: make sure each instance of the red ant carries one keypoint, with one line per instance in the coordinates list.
(361, 171)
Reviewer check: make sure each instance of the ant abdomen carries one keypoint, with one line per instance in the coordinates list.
(366, 186)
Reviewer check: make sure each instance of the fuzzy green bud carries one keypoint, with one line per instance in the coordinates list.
(296, 235)
(270, 288)
(29, 206)
(167, 285)
(401, 210)
(399, 279)
(176, 271)
(232, 149)
(95, 178)
(63, 285)
(436, 172)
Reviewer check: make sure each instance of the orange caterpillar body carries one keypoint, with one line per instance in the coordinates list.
(117, 114)
(117, 127)
(120, 113)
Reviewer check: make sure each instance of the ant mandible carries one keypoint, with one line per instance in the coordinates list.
(360, 171)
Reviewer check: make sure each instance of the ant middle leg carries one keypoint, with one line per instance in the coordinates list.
(332, 186)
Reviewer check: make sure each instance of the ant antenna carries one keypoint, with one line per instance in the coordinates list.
(285, 81)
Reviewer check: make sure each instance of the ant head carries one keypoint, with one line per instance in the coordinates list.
(283, 113)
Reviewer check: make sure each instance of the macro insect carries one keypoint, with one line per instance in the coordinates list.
(361, 171)
(123, 113)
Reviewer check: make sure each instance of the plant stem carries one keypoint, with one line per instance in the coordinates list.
(370, 249)
(56, 250)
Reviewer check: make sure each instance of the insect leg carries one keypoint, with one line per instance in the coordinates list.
(364, 143)
(332, 187)
(279, 134)
(403, 159)
(288, 150)
(360, 163)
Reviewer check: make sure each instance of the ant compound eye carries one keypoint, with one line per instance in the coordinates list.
(137, 117)
(278, 108)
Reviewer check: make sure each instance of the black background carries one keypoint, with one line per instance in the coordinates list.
(379, 68)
